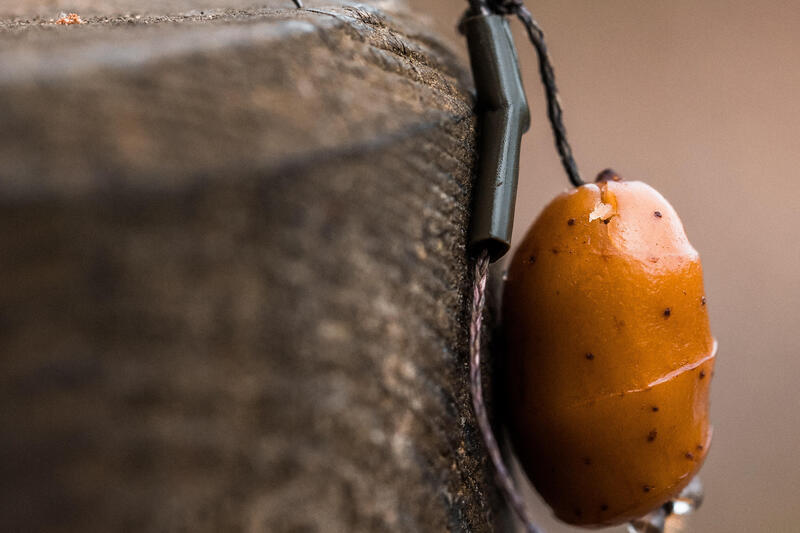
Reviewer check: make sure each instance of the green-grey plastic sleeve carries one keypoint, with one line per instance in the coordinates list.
(503, 117)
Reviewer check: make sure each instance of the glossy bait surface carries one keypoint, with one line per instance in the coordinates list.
(610, 354)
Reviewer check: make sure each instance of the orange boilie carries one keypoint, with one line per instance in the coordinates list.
(610, 353)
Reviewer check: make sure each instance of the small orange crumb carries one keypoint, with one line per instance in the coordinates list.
(72, 18)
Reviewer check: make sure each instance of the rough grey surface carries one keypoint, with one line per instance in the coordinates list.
(234, 278)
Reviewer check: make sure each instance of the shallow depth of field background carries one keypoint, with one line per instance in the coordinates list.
(702, 101)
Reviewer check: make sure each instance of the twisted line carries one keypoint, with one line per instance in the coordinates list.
(555, 113)
(554, 110)
(504, 478)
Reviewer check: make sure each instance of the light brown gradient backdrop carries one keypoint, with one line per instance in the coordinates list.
(701, 99)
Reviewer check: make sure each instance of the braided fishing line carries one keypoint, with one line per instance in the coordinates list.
(481, 272)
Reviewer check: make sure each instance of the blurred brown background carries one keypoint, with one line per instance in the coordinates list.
(702, 101)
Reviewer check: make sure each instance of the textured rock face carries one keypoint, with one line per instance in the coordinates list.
(234, 278)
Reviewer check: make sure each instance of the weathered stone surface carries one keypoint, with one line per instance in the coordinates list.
(234, 279)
